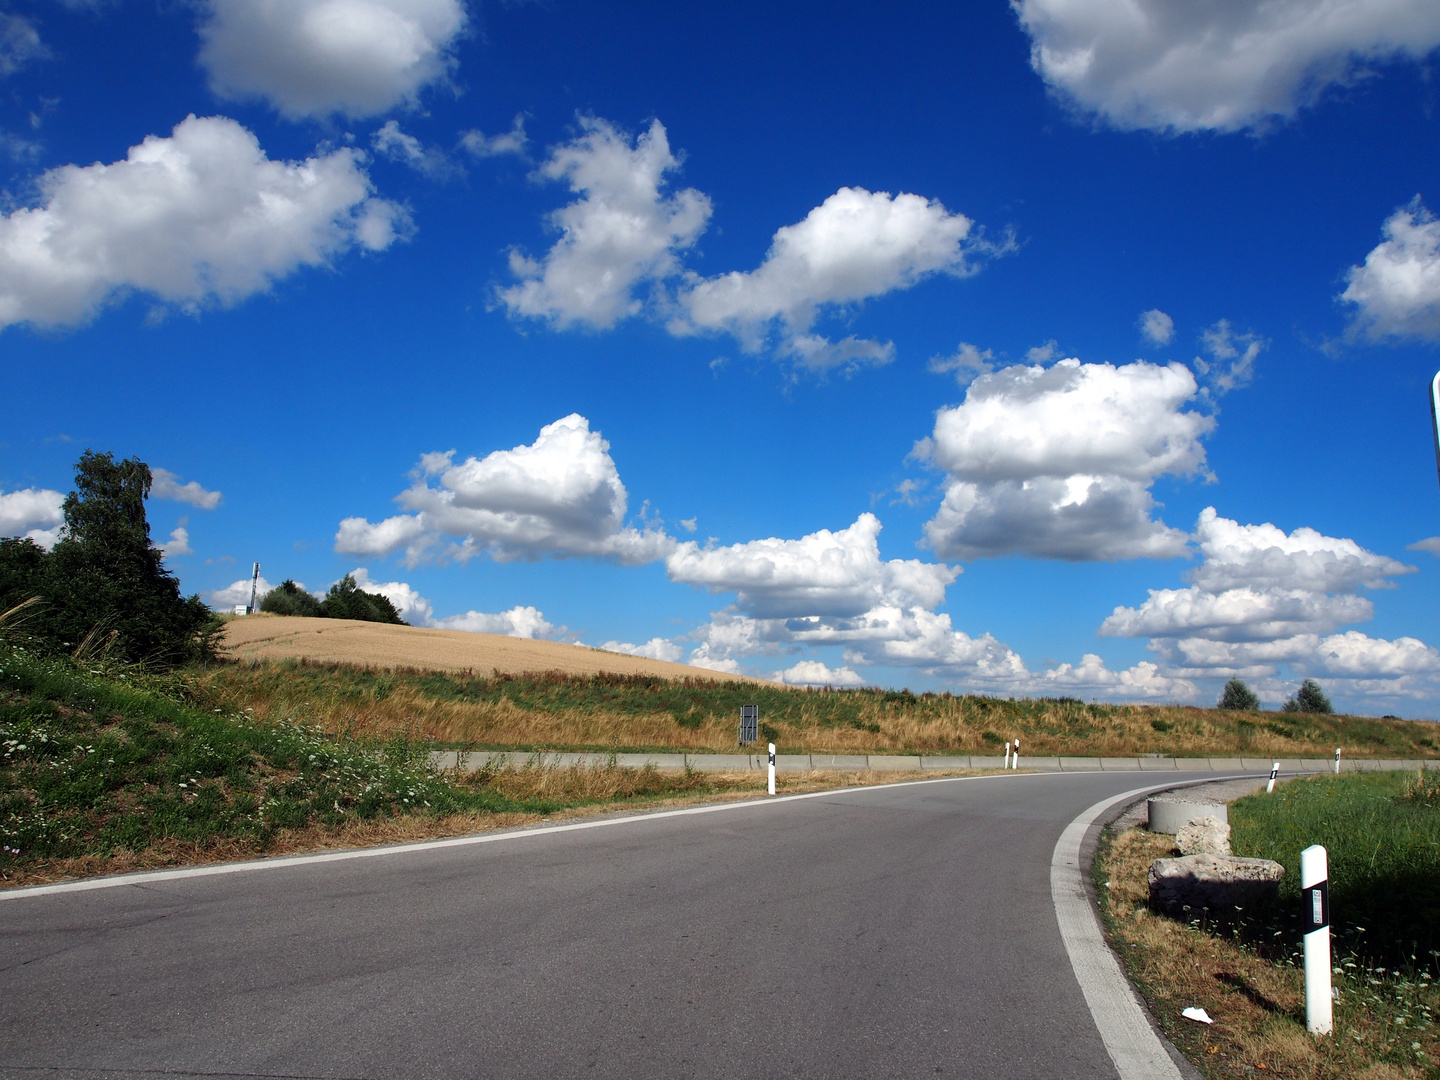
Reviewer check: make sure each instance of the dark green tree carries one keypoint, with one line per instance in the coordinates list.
(1309, 699)
(104, 585)
(288, 598)
(346, 600)
(1238, 696)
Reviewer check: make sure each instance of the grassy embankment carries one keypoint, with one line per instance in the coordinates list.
(111, 770)
(553, 711)
(1381, 832)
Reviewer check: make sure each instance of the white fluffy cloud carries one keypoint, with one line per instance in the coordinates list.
(814, 673)
(201, 217)
(166, 485)
(1058, 462)
(655, 649)
(1156, 327)
(855, 245)
(1177, 65)
(1263, 600)
(178, 544)
(237, 592)
(318, 57)
(518, 622)
(825, 573)
(618, 254)
(1397, 292)
(476, 143)
(413, 608)
(34, 513)
(622, 231)
(560, 495)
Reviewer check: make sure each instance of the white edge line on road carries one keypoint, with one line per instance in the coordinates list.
(147, 877)
(1124, 1027)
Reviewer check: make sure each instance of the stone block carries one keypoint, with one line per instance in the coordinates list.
(1204, 836)
(1217, 882)
(1170, 813)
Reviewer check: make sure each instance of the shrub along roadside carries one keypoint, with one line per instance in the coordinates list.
(1383, 840)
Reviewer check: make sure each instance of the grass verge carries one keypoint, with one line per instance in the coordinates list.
(644, 713)
(105, 771)
(1382, 835)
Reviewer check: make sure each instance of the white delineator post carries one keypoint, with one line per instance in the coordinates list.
(772, 768)
(1274, 772)
(1015, 757)
(1315, 920)
(1007, 753)
(1337, 761)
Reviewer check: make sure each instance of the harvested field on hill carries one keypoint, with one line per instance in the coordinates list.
(382, 645)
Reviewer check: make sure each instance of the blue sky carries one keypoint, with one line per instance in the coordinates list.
(1020, 349)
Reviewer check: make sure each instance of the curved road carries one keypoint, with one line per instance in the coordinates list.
(898, 931)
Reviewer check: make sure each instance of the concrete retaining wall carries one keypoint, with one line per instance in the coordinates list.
(474, 761)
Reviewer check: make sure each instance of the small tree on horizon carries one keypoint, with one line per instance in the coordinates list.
(346, 600)
(288, 598)
(1238, 696)
(1309, 699)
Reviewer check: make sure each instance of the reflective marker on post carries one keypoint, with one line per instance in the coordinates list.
(1337, 761)
(772, 768)
(1015, 758)
(1315, 923)
(1274, 772)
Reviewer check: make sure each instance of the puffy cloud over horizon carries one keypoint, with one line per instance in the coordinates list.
(199, 218)
(1396, 292)
(33, 513)
(1177, 66)
(560, 496)
(166, 485)
(314, 58)
(815, 673)
(1058, 462)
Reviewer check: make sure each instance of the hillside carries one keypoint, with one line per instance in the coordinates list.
(381, 645)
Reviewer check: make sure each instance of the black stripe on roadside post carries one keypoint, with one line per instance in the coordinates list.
(1316, 915)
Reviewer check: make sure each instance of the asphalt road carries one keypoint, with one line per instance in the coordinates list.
(892, 932)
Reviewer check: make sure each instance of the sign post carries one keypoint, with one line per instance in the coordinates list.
(772, 768)
(1315, 923)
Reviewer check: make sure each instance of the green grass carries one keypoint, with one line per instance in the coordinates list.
(1381, 834)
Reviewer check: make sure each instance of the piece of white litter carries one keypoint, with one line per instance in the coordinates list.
(1199, 1015)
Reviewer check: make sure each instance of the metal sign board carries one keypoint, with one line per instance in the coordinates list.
(749, 723)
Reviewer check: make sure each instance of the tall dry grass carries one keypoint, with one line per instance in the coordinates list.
(581, 715)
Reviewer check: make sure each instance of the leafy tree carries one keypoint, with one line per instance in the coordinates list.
(346, 600)
(288, 598)
(1238, 696)
(104, 585)
(1309, 699)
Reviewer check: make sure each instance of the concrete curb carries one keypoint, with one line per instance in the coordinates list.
(476, 760)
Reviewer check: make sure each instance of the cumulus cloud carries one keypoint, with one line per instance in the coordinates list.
(1058, 462)
(1430, 544)
(19, 44)
(655, 649)
(620, 245)
(1156, 327)
(413, 608)
(320, 57)
(32, 513)
(825, 573)
(1177, 66)
(476, 143)
(814, 673)
(166, 485)
(1229, 360)
(967, 362)
(855, 245)
(623, 230)
(1264, 601)
(559, 496)
(201, 217)
(518, 622)
(178, 544)
(1396, 293)
(429, 161)
(236, 593)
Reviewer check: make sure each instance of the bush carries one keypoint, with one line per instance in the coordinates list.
(1309, 699)
(1238, 696)
(288, 598)
(346, 600)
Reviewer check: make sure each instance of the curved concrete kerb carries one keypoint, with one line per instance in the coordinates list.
(1170, 815)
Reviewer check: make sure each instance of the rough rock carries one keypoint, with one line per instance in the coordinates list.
(1211, 881)
(1205, 836)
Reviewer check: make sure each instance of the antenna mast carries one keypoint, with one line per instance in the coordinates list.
(254, 588)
